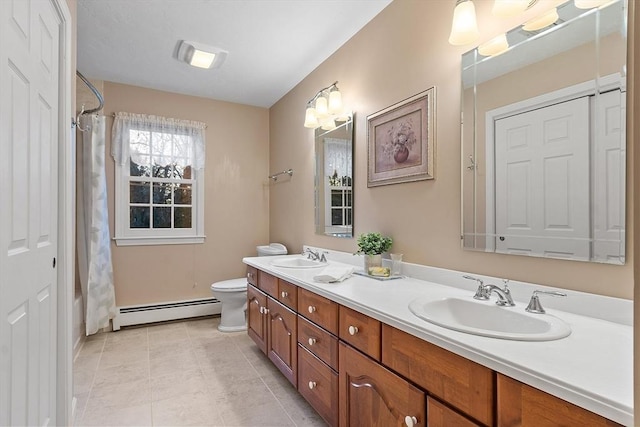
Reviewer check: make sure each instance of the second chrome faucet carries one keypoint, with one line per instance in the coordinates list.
(484, 292)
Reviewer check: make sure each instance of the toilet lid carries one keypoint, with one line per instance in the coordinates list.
(230, 285)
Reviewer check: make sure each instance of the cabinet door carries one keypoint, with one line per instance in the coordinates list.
(371, 395)
(256, 324)
(522, 405)
(282, 339)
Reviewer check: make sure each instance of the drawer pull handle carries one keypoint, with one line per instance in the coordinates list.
(410, 421)
(312, 309)
(284, 294)
(353, 330)
(264, 310)
(312, 385)
(312, 341)
(249, 276)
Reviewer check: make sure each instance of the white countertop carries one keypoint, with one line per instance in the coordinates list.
(591, 368)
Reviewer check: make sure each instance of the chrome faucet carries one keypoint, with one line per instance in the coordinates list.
(481, 292)
(315, 255)
(504, 295)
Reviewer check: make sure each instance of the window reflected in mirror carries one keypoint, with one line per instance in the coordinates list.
(334, 180)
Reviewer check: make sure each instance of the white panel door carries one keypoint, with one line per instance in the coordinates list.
(609, 177)
(542, 181)
(29, 81)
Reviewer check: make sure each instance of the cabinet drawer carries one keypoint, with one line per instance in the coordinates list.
(318, 341)
(319, 310)
(523, 405)
(252, 275)
(361, 331)
(438, 415)
(318, 383)
(288, 294)
(268, 284)
(461, 383)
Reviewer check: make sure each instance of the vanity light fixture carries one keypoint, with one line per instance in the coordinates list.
(495, 46)
(200, 55)
(542, 21)
(588, 4)
(464, 28)
(325, 108)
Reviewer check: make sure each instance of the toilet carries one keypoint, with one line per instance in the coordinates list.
(232, 294)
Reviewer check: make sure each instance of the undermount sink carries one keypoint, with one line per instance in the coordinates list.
(298, 262)
(487, 319)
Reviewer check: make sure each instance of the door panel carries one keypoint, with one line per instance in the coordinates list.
(542, 199)
(29, 100)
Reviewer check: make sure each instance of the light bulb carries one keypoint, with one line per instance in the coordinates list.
(464, 28)
(541, 21)
(321, 106)
(335, 101)
(310, 118)
(495, 46)
(508, 8)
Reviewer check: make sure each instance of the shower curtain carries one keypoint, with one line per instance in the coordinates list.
(93, 238)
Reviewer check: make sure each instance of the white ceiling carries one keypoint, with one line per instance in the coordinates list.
(272, 44)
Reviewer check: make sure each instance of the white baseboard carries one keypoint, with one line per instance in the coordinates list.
(151, 313)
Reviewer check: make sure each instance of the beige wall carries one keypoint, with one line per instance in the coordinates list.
(403, 51)
(236, 207)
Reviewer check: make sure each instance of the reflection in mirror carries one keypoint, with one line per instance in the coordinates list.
(544, 140)
(334, 180)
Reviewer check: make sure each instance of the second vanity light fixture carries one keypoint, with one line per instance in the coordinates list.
(325, 108)
(464, 28)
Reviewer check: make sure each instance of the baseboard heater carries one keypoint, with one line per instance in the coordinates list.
(150, 313)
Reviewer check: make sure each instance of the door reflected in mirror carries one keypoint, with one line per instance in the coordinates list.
(544, 140)
(334, 180)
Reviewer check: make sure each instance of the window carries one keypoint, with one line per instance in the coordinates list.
(159, 180)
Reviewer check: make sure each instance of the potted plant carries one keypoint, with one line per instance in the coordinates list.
(372, 245)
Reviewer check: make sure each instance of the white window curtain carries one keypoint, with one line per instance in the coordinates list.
(188, 137)
(337, 157)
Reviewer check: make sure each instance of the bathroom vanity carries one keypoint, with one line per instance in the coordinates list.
(360, 357)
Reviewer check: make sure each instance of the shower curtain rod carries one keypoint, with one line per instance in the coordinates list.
(95, 92)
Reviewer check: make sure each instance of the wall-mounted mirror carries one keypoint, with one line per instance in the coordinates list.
(544, 140)
(334, 180)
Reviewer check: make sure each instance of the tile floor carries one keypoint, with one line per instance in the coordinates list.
(182, 373)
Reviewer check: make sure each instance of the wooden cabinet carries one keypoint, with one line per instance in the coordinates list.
(318, 383)
(268, 284)
(356, 371)
(439, 415)
(282, 339)
(319, 310)
(360, 331)
(522, 405)
(461, 383)
(256, 321)
(371, 395)
(319, 342)
(288, 294)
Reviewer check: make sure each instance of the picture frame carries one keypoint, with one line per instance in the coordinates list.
(401, 141)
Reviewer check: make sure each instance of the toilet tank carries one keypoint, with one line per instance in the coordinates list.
(272, 249)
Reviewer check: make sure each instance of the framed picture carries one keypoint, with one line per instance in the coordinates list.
(401, 141)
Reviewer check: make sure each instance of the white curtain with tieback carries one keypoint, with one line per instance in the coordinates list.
(188, 138)
(93, 238)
